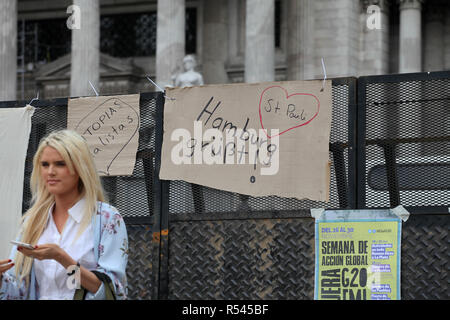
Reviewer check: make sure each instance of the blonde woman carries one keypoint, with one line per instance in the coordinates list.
(69, 225)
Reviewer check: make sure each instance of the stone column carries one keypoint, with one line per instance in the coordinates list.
(434, 38)
(433, 123)
(447, 40)
(374, 56)
(8, 50)
(260, 41)
(170, 40)
(410, 57)
(375, 37)
(215, 39)
(85, 65)
(410, 60)
(337, 37)
(300, 40)
(233, 22)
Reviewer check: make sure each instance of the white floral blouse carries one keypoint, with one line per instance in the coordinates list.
(110, 249)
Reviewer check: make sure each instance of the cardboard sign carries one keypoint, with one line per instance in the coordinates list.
(111, 128)
(255, 139)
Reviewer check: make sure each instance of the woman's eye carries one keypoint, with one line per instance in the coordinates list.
(60, 163)
(44, 164)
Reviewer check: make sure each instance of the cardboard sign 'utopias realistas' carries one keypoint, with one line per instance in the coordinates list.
(110, 125)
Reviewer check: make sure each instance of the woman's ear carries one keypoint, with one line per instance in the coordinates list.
(80, 185)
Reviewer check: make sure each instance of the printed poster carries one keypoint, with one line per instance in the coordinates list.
(357, 255)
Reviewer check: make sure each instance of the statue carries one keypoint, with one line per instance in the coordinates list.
(189, 77)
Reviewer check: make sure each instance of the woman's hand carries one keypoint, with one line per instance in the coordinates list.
(5, 265)
(52, 251)
(43, 252)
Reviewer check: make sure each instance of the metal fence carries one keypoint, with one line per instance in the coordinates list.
(224, 245)
(388, 146)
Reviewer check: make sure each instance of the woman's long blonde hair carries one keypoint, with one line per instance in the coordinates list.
(75, 152)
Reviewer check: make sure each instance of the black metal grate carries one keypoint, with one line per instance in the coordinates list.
(133, 195)
(425, 258)
(274, 259)
(407, 141)
(242, 259)
(140, 268)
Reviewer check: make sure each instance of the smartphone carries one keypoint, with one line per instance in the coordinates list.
(21, 244)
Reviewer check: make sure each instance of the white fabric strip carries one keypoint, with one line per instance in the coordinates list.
(15, 127)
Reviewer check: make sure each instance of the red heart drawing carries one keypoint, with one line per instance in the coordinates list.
(303, 122)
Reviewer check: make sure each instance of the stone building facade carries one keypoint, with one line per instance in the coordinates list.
(233, 41)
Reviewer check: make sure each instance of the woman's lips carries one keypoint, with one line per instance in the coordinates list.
(52, 181)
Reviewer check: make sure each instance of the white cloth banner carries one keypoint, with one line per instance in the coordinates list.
(15, 127)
